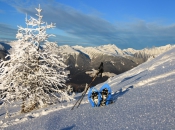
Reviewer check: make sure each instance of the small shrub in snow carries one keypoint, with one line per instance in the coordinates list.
(69, 89)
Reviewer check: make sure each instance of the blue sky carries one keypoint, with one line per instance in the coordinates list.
(126, 23)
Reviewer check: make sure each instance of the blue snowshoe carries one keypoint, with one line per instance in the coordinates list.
(100, 98)
(94, 97)
(105, 92)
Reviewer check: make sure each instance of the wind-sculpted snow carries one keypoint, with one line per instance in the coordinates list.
(143, 99)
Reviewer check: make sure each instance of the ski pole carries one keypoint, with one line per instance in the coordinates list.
(82, 97)
(77, 101)
(83, 94)
(86, 91)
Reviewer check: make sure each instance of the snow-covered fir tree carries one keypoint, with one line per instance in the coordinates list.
(34, 76)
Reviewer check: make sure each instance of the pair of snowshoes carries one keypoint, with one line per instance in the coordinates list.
(100, 98)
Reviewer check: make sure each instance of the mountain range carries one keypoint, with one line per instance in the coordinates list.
(116, 61)
(83, 62)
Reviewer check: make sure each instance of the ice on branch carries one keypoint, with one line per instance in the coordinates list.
(34, 75)
(37, 33)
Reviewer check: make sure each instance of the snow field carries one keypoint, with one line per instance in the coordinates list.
(144, 99)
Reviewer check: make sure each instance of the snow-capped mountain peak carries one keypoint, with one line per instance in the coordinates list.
(68, 49)
(93, 52)
(113, 50)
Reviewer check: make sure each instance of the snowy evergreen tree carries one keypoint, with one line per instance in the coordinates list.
(33, 75)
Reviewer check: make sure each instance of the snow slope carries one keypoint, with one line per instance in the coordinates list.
(144, 99)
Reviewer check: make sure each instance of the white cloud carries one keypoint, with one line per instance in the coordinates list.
(93, 30)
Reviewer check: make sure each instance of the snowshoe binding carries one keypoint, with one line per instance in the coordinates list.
(105, 92)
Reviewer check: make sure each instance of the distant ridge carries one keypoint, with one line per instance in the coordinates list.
(116, 61)
(5, 45)
(82, 60)
(113, 50)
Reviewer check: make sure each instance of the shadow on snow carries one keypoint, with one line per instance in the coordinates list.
(120, 93)
(68, 128)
